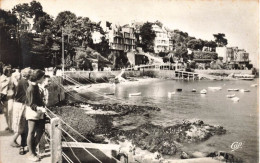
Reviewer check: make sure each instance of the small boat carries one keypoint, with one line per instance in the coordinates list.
(233, 89)
(203, 91)
(171, 93)
(134, 94)
(179, 89)
(231, 96)
(109, 93)
(215, 88)
(244, 90)
(235, 99)
(244, 76)
(193, 90)
(254, 85)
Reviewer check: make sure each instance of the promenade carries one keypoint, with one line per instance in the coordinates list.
(9, 154)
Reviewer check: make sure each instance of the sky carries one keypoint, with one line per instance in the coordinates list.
(238, 20)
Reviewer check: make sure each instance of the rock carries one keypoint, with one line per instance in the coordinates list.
(225, 156)
(199, 122)
(184, 155)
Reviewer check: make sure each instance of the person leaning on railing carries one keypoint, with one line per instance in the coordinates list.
(34, 113)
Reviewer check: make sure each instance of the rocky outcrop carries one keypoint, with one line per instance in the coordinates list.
(169, 140)
(224, 156)
(154, 138)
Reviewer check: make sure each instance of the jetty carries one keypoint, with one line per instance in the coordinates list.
(186, 75)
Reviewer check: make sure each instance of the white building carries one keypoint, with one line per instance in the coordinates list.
(161, 41)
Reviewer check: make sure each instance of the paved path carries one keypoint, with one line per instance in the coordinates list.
(9, 154)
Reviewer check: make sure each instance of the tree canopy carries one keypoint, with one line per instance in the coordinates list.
(220, 39)
(195, 44)
(148, 36)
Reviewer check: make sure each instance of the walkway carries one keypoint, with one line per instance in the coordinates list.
(9, 154)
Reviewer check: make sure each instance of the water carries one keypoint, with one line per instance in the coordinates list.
(240, 119)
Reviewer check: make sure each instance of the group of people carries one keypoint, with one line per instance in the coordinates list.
(23, 97)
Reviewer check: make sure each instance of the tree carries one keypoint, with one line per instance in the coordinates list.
(9, 49)
(211, 45)
(42, 23)
(148, 36)
(181, 51)
(64, 21)
(35, 10)
(195, 44)
(22, 10)
(220, 39)
(103, 47)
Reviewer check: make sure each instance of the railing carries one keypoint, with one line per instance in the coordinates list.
(58, 132)
(64, 145)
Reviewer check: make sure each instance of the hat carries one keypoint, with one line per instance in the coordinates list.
(36, 75)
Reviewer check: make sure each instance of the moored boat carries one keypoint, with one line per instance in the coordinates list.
(193, 90)
(244, 90)
(231, 96)
(135, 94)
(235, 99)
(215, 88)
(171, 93)
(179, 89)
(203, 91)
(233, 89)
(109, 93)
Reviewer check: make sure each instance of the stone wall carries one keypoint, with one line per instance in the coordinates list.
(104, 76)
(223, 71)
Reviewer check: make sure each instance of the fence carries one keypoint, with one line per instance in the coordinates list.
(64, 146)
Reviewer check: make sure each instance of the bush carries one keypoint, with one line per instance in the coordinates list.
(205, 55)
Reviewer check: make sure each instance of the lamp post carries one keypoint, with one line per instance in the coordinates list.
(62, 44)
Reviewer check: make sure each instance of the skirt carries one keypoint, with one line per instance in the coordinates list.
(10, 113)
(19, 119)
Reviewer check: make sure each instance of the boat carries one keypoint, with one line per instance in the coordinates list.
(179, 89)
(235, 99)
(254, 85)
(109, 93)
(134, 94)
(244, 76)
(171, 93)
(233, 89)
(231, 96)
(215, 88)
(203, 91)
(193, 90)
(244, 90)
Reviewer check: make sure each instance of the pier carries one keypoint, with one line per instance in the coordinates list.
(186, 75)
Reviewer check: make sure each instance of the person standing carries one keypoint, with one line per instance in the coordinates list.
(4, 81)
(13, 82)
(20, 125)
(34, 113)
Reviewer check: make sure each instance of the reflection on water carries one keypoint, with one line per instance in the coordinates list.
(240, 119)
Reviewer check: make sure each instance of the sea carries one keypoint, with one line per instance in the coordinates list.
(240, 119)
